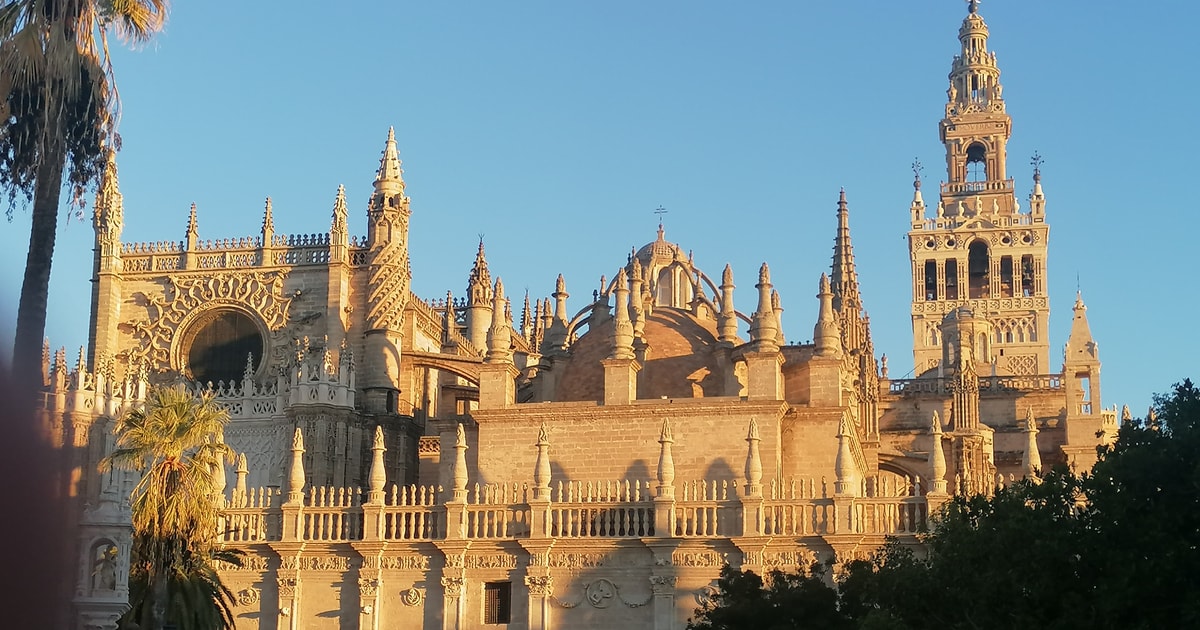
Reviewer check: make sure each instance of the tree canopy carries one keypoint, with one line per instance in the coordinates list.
(175, 442)
(1114, 548)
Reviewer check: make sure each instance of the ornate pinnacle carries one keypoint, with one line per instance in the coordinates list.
(268, 223)
(192, 226)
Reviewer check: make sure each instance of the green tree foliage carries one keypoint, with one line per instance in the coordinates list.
(784, 601)
(1115, 548)
(175, 442)
(58, 110)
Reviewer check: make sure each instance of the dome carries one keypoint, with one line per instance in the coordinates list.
(681, 359)
(659, 252)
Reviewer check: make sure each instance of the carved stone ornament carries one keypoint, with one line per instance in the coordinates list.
(249, 596)
(368, 587)
(190, 296)
(707, 596)
(492, 561)
(287, 586)
(662, 584)
(453, 586)
(411, 597)
(600, 593)
(540, 585)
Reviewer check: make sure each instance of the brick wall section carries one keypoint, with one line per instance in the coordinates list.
(592, 443)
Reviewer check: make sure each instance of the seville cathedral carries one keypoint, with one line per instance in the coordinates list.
(461, 461)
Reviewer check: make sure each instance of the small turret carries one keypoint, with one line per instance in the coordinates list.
(727, 324)
(826, 335)
(479, 300)
(763, 328)
(622, 326)
(499, 336)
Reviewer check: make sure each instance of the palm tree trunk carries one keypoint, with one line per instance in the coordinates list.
(35, 288)
(158, 610)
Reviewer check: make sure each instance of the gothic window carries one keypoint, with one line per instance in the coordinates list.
(216, 345)
(976, 163)
(497, 602)
(952, 279)
(977, 270)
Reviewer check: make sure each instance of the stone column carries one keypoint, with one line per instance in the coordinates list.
(541, 588)
(663, 587)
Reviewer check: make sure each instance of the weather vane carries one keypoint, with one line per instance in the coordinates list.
(916, 169)
(1036, 161)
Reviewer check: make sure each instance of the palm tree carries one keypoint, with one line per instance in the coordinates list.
(58, 113)
(176, 443)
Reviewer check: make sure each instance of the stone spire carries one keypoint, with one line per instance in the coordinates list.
(541, 466)
(389, 179)
(622, 325)
(1081, 347)
(499, 336)
(637, 313)
(458, 472)
(844, 462)
(777, 308)
(763, 328)
(388, 282)
(239, 486)
(556, 333)
(479, 284)
(192, 234)
(527, 324)
(666, 464)
(844, 279)
(268, 224)
(727, 324)
(480, 296)
(340, 214)
(937, 457)
(1031, 460)
(378, 477)
(109, 214)
(826, 335)
(753, 461)
(296, 476)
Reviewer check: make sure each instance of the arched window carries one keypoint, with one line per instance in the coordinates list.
(216, 345)
(977, 163)
(977, 270)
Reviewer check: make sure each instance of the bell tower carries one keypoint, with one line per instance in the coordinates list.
(979, 248)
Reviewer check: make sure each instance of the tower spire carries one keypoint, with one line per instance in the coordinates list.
(390, 176)
(479, 284)
(844, 279)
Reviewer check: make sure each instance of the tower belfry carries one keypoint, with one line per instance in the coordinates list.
(979, 249)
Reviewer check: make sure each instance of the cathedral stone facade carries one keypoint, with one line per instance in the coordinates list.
(408, 462)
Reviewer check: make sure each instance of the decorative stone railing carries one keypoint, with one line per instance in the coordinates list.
(236, 253)
(987, 384)
(959, 188)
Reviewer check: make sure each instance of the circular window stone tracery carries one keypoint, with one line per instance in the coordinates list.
(215, 346)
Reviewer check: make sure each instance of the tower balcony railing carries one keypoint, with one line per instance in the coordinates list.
(972, 188)
(987, 384)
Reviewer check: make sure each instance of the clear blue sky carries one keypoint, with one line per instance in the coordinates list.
(556, 128)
